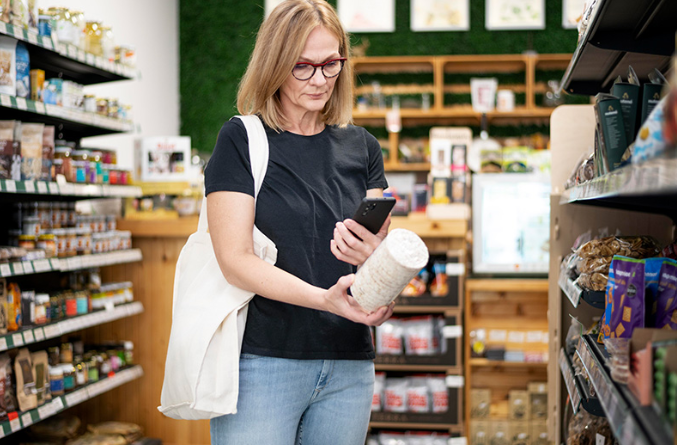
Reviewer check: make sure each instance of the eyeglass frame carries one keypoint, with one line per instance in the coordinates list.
(321, 66)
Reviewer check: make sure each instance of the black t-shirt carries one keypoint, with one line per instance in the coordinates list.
(311, 183)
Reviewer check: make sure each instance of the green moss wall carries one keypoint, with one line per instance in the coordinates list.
(217, 36)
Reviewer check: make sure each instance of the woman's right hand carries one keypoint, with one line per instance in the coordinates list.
(338, 302)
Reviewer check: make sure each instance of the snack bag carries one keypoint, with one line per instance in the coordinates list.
(379, 385)
(439, 393)
(666, 303)
(389, 337)
(417, 286)
(627, 298)
(439, 286)
(419, 336)
(418, 397)
(652, 272)
(396, 395)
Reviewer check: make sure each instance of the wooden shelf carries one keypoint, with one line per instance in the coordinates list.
(412, 426)
(157, 228)
(414, 368)
(485, 363)
(507, 285)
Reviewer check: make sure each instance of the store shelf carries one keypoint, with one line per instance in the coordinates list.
(629, 422)
(413, 368)
(21, 420)
(577, 388)
(53, 189)
(417, 116)
(648, 187)
(67, 61)
(640, 33)
(576, 294)
(37, 334)
(74, 124)
(68, 264)
(486, 363)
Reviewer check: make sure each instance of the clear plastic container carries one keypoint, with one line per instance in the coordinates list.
(93, 37)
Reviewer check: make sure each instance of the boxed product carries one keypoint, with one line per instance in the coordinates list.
(162, 158)
(518, 408)
(37, 84)
(519, 432)
(479, 432)
(538, 400)
(628, 96)
(499, 432)
(10, 150)
(538, 432)
(613, 140)
(480, 403)
(23, 68)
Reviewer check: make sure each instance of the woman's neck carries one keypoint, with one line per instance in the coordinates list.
(308, 124)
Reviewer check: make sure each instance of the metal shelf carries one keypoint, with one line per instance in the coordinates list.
(18, 268)
(20, 420)
(577, 387)
(620, 33)
(575, 293)
(629, 422)
(68, 61)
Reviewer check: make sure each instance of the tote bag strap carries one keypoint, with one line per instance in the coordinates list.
(258, 158)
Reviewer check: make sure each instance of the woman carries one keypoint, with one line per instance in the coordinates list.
(306, 370)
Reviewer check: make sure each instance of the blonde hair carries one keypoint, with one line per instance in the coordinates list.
(279, 44)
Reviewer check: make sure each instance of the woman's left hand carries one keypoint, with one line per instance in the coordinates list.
(353, 243)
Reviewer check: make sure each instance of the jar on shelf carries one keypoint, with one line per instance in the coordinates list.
(113, 108)
(111, 223)
(71, 306)
(45, 215)
(93, 369)
(63, 160)
(47, 242)
(31, 226)
(125, 239)
(105, 173)
(68, 376)
(56, 381)
(56, 215)
(60, 242)
(81, 377)
(84, 241)
(93, 35)
(100, 223)
(108, 44)
(27, 241)
(79, 25)
(102, 106)
(82, 302)
(64, 25)
(126, 55)
(42, 311)
(66, 352)
(89, 103)
(71, 241)
(45, 22)
(72, 214)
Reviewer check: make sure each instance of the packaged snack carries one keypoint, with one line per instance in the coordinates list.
(627, 298)
(379, 385)
(10, 151)
(651, 142)
(7, 391)
(41, 368)
(13, 307)
(518, 405)
(396, 395)
(666, 301)
(389, 337)
(627, 246)
(3, 306)
(419, 336)
(23, 68)
(56, 429)
(439, 286)
(439, 394)
(593, 265)
(130, 431)
(652, 271)
(27, 307)
(31, 151)
(595, 281)
(8, 65)
(417, 286)
(418, 397)
(47, 153)
(480, 403)
(25, 380)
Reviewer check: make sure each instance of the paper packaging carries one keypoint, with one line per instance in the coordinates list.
(538, 432)
(628, 95)
(480, 403)
(518, 432)
(47, 153)
(610, 118)
(651, 95)
(41, 367)
(8, 65)
(499, 431)
(483, 94)
(25, 380)
(23, 68)
(31, 151)
(479, 431)
(7, 391)
(37, 84)
(3, 306)
(519, 405)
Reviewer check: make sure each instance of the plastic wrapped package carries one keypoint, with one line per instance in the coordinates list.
(594, 281)
(592, 265)
(130, 431)
(98, 439)
(628, 246)
(619, 363)
(586, 429)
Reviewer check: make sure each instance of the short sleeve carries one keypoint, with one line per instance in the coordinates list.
(229, 168)
(377, 177)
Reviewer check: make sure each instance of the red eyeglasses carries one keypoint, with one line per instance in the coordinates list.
(330, 68)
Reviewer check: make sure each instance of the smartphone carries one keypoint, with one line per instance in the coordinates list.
(372, 212)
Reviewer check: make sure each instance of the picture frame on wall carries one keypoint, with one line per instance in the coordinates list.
(440, 15)
(572, 13)
(270, 5)
(367, 16)
(503, 15)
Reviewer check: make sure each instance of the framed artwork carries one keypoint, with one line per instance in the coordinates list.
(440, 15)
(367, 16)
(515, 14)
(572, 13)
(270, 5)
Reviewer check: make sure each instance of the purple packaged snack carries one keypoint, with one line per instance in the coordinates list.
(627, 298)
(666, 311)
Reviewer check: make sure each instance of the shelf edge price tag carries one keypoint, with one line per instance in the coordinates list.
(42, 187)
(45, 411)
(28, 267)
(57, 404)
(18, 268)
(28, 337)
(40, 107)
(27, 420)
(455, 381)
(3, 27)
(30, 186)
(5, 270)
(10, 185)
(5, 101)
(14, 422)
(39, 334)
(17, 339)
(33, 38)
(3, 344)
(21, 103)
(452, 331)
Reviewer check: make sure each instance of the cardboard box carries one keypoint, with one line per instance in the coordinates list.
(480, 403)
(165, 158)
(499, 431)
(518, 408)
(538, 400)
(479, 432)
(519, 432)
(538, 432)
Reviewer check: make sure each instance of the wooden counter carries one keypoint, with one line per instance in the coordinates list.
(160, 242)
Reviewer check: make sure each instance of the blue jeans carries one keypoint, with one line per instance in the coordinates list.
(298, 402)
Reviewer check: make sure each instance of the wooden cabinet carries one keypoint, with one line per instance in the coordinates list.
(445, 79)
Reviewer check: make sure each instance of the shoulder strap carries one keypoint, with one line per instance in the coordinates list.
(258, 158)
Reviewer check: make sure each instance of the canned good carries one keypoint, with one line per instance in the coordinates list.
(60, 242)
(47, 242)
(31, 226)
(27, 241)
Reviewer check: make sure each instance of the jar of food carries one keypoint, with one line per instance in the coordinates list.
(66, 353)
(64, 25)
(63, 210)
(113, 177)
(80, 171)
(56, 215)
(93, 175)
(56, 381)
(108, 44)
(105, 173)
(27, 241)
(111, 223)
(45, 25)
(81, 376)
(97, 158)
(123, 177)
(47, 242)
(41, 311)
(78, 20)
(100, 223)
(60, 242)
(125, 239)
(55, 308)
(113, 108)
(102, 106)
(126, 55)
(72, 214)
(68, 376)
(90, 103)
(87, 240)
(71, 242)
(45, 215)
(93, 35)
(97, 242)
(82, 302)
(129, 353)
(31, 226)
(93, 370)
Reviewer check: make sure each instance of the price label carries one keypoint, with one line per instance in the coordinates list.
(3, 344)
(41, 265)
(458, 441)
(17, 339)
(90, 59)
(28, 267)
(5, 270)
(52, 331)
(56, 264)
(5, 101)
(57, 405)
(455, 381)
(28, 337)
(3, 27)
(10, 186)
(47, 43)
(72, 52)
(30, 186)
(27, 420)
(39, 334)
(42, 187)
(2, 431)
(40, 107)
(17, 32)
(53, 188)
(15, 424)
(452, 331)
(45, 411)
(33, 38)
(18, 268)
(21, 103)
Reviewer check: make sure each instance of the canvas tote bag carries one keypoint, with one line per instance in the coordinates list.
(209, 314)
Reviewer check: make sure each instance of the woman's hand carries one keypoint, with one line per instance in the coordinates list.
(337, 301)
(353, 243)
